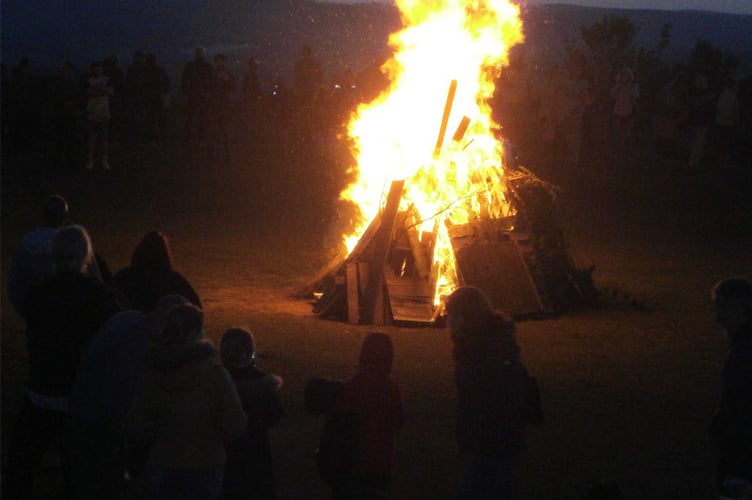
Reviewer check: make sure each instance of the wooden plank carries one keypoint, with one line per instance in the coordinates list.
(380, 244)
(499, 269)
(353, 300)
(422, 265)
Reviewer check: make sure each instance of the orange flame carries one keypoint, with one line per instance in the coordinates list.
(395, 135)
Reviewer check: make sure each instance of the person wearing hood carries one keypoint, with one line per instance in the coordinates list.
(249, 472)
(151, 275)
(374, 399)
(731, 429)
(185, 408)
(111, 362)
(490, 377)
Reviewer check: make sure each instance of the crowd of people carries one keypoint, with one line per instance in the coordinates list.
(123, 382)
(81, 112)
(566, 115)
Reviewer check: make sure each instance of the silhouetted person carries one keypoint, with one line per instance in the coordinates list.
(98, 92)
(111, 361)
(671, 115)
(252, 98)
(157, 88)
(118, 104)
(249, 472)
(61, 315)
(308, 77)
(32, 261)
(186, 406)
(196, 82)
(726, 123)
(490, 379)
(374, 400)
(151, 275)
(135, 97)
(731, 429)
(66, 100)
(25, 99)
(220, 107)
(701, 115)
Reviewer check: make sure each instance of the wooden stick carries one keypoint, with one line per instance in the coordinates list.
(461, 129)
(445, 118)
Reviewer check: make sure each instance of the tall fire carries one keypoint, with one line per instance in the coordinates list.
(436, 208)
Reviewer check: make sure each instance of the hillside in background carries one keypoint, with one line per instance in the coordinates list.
(344, 36)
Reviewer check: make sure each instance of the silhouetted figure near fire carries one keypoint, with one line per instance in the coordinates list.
(24, 101)
(220, 108)
(196, 82)
(157, 90)
(151, 275)
(252, 98)
(671, 115)
(308, 78)
(135, 95)
(492, 395)
(118, 104)
(731, 428)
(66, 104)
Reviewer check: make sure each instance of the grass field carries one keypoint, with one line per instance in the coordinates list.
(628, 391)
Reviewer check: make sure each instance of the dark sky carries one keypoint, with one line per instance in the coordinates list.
(730, 6)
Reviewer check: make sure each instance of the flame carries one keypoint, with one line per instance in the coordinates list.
(395, 136)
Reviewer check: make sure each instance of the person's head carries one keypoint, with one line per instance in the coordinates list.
(72, 249)
(200, 53)
(153, 251)
(376, 354)
(55, 211)
(466, 308)
(184, 325)
(158, 317)
(237, 347)
(97, 69)
(733, 303)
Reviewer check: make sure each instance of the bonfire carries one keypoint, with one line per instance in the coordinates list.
(438, 203)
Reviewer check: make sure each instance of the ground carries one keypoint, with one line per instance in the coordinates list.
(628, 387)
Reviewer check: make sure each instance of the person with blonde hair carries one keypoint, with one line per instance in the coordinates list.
(61, 315)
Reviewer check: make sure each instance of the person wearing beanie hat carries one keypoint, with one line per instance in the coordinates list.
(249, 471)
(185, 408)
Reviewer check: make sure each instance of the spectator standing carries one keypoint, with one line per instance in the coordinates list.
(624, 93)
(374, 400)
(67, 100)
(98, 92)
(249, 472)
(151, 276)
(726, 122)
(220, 102)
(308, 78)
(731, 428)
(61, 315)
(490, 379)
(702, 107)
(135, 97)
(195, 82)
(157, 95)
(671, 115)
(118, 102)
(32, 261)
(24, 104)
(253, 98)
(187, 409)
(111, 361)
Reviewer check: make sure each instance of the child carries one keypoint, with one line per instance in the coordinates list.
(375, 401)
(248, 471)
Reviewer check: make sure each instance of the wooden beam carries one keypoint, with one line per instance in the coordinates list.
(374, 290)
(445, 118)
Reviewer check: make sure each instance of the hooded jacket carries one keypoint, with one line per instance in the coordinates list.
(376, 401)
(490, 391)
(186, 407)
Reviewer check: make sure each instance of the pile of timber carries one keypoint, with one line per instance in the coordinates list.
(521, 262)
